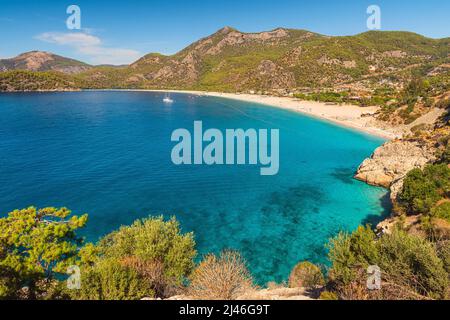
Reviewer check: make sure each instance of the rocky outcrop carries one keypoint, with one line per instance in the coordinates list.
(269, 75)
(234, 37)
(325, 60)
(391, 162)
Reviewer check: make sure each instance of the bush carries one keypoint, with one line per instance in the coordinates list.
(306, 275)
(442, 211)
(225, 277)
(109, 280)
(157, 241)
(151, 251)
(348, 253)
(423, 189)
(413, 262)
(416, 88)
(443, 249)
(327, 295)
(410, 265)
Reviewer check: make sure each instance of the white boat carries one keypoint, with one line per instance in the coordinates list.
(167, 100)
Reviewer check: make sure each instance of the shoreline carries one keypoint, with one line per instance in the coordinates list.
(349, 116)
(346, 115)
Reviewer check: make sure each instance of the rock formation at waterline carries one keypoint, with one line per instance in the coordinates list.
(391, 162)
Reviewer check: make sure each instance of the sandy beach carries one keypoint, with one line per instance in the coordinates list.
(346, 115)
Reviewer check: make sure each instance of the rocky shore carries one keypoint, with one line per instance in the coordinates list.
(391, 162)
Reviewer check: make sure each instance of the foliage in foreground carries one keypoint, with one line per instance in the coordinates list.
(35, 247)
(412, 267)
(223, 277)
(152, 255)
(306, 275)
(152, 258)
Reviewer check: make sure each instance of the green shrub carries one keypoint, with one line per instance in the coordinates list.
(152, 251)
(306, 275)
(443, 249)
(408, 263)
(154, 240)
(328, 295)
(109, 280)
(423, 189)
(442, 211)
(413, 261)
(416, 88)
(348, 253)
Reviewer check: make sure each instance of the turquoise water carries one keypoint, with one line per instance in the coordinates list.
(108, 154)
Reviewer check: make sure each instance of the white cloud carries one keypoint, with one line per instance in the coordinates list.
(71, 39)
(91, 46)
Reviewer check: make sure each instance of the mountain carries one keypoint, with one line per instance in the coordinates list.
(43, 61)
(281, 60)
(230, 60)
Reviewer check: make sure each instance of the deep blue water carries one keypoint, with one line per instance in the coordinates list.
(108, 154)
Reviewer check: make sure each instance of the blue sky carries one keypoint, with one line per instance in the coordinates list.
(119, 32)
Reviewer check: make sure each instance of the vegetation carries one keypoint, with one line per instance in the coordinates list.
(283, 59)
(111, 280)
(413, 259)
(332, 97)
(442, 211)
(411, 266)
(404, 73)
(35, 247)
(152, 258)
(223, 277)
(327, 295)
(306, 275)
(35, 81)
(424, 189)
(151, 254)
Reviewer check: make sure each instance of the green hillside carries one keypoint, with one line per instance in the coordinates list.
(277, 60)
(230, 60)
(35, 81)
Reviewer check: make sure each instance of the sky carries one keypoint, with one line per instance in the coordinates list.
(120, 32)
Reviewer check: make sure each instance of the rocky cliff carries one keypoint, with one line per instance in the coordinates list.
(391, 162)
